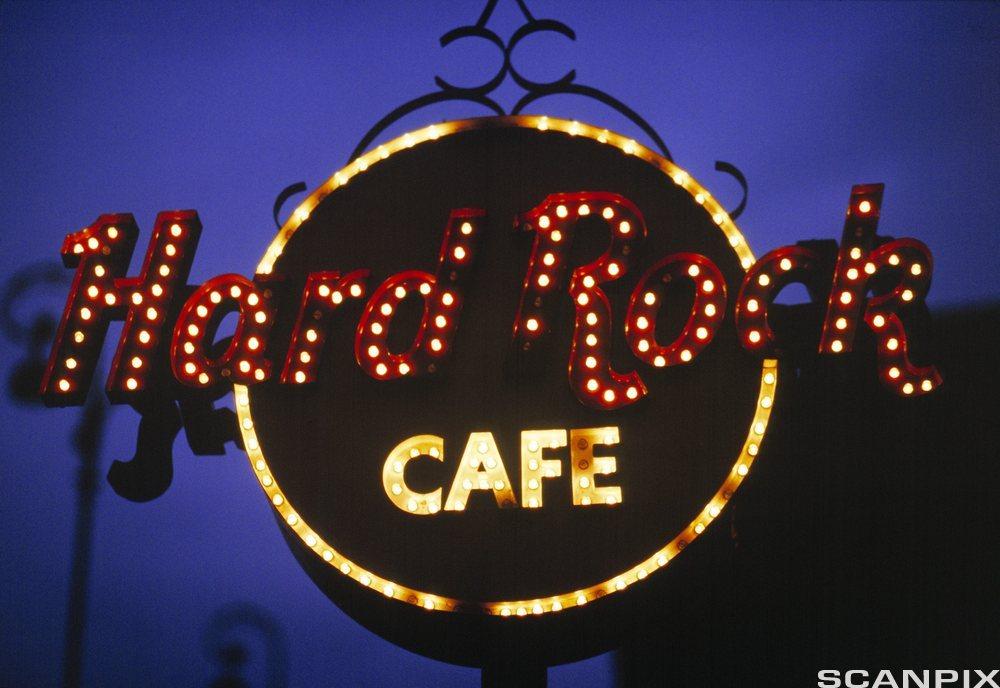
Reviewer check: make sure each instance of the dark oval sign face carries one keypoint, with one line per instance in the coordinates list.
(533, 399)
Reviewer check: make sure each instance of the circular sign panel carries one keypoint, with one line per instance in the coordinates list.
(513, 388)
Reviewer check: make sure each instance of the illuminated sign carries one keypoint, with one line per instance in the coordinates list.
(495, 368)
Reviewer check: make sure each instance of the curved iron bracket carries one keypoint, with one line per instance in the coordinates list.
(734, 172)
(283, 196)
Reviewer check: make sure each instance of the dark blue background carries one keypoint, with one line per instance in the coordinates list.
(139, 108)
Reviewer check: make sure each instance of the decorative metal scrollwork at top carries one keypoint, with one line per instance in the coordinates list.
(565, 85)
(535, 90)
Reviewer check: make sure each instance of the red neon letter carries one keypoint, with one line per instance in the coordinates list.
(323, 293)
(243, 361)
(765, 278)
(442, 293)
(707, 311)
(913, 262)
(857, 265)
(591, 377)
(100, 294)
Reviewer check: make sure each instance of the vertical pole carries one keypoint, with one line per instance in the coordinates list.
(515, 675)
(86, 440)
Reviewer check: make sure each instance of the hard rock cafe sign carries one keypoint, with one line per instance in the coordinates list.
(493, 375)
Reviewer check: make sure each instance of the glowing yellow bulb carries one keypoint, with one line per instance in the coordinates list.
(592, 385)
(136, 362)
(836, 346)
(548, 259)
(926, 385)
(841, 323)
(99, 270)
(694, 270)
(373, 351)
(64, 385)
(400, 292)
(642, 322)
(544, 222)
(894, 372)
(613, 269)
(78, 337)
(203, 378)
(878, 321)
(643, 345)
(561, 211)
(685, 355)
(85, 314)
(151, 313)
(907, 295)
(386, 309)
(908, 388)
(245, 366)
(131, 383)
(892, 344)
(915, 269)
(855, 253)
(311, 335)
(190, 368)
(112, 232)
(466, 228)
(93, 292)
(763, 280)
(785, 264)
(893, 259)
(624, 227)
(701, 333)
(436, 344)
(710, 310)
(754, 336)
(609, 395)
(608, 213)
(659, 361)
(441, 321)
(583, 299)
(300, 377)
(556, 236)
(323, 290)
(447, 299)
(852, 273)
(584, 209)
(864, 207)
(543, 280)
(649, 298)
(144, 336)
(355, 290)
(381, 369)
(590, 362)
(845, 297)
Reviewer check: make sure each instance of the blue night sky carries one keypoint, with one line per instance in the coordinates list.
(141, 107)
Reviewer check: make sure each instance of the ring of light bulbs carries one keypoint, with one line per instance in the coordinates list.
(563, 600)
